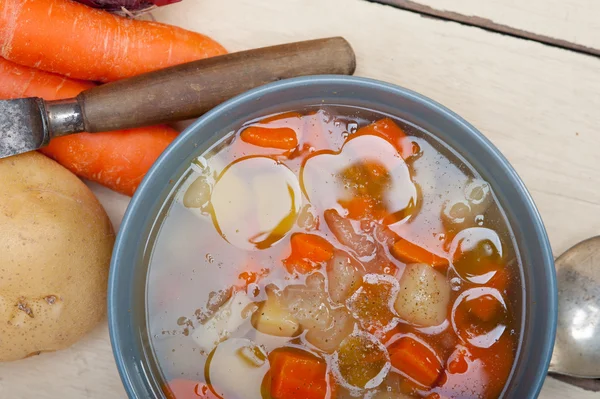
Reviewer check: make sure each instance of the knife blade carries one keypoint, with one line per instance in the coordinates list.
(177, 93)
(22, 126)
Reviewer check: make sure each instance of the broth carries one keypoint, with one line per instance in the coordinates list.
(333, 252)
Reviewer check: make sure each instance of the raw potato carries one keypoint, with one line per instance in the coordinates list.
(424, 296)
(55, 247)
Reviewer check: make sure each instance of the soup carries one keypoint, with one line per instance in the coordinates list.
(333, 252)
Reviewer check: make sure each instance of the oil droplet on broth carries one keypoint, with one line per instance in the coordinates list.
(255, 202)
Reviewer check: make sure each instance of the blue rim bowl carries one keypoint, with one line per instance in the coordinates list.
(127, 281)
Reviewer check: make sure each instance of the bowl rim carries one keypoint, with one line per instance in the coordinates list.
(136, 205)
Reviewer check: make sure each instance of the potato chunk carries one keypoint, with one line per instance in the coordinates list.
(344, 275)
(424, 296)
(274, 318)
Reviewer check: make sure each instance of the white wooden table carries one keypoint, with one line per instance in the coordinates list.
(539, 103)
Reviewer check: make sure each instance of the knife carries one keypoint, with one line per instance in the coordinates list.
(181, 92)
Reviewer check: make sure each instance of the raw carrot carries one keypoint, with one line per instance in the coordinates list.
(386, 129)
(69, 38)
(406, 251)
(415, 360)
(297, 374)
(186, 389)
(118, 160)
(18, 81)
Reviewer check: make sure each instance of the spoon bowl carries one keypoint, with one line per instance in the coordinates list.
(577, 346)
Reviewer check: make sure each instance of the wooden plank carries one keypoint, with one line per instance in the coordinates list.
(570, 24)
(538, 104)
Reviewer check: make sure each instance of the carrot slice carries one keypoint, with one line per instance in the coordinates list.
(297, 374)
(386, 129)
(311, 247)
(187, 389)
(75, 40)
(415, 360)
(276, 136)
(308, 251)
(283, 138)
(408, 252)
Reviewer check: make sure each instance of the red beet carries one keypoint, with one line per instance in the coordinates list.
(129, 5)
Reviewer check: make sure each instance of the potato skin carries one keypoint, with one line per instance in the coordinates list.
(55, 247)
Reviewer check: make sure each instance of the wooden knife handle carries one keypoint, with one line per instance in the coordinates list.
(189, 90)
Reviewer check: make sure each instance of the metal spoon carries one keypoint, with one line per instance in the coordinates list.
(577, 348)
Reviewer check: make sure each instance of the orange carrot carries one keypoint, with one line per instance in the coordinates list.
(297, 374)
(308, 250)
(118, 160)
(281, 135)
(408, 252)
(415, 360)
(311, 247)
(283, 138)
(18, 81)
(386, 129)
(186, 389)
(69, 38)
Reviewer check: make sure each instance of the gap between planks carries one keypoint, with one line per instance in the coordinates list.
(489, 25)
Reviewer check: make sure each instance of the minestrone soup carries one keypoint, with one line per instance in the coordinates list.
(333, 252)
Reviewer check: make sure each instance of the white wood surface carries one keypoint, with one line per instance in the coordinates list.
(538, 104)
(577, 21)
